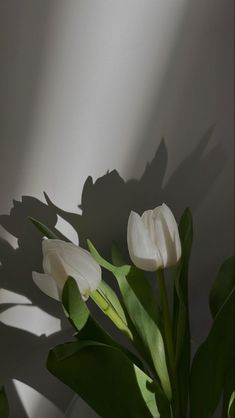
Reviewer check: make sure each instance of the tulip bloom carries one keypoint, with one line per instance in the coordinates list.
(62, 259)
(153, 239)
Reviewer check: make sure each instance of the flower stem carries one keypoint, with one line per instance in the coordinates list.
(109, 310)
(168, 337)
(166, 316)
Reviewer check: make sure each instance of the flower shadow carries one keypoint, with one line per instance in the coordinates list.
(105, 205)
(107, 202)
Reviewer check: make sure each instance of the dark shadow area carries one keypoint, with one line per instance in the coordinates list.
(105, 204)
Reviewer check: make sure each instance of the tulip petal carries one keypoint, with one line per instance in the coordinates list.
(167, 214)
(46, 284)
(147, 219)
(162, 239)
(53, 266)
(173, 230)
(142, 250)
(167, 235)
(82, 267)
(63, 259)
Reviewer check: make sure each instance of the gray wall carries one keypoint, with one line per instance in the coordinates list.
(90, 86)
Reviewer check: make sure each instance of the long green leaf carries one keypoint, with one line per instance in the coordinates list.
(229, 386)
(211, 362)
(117, 257)
(231, 406)
(112, 298)
(181, 317)
(47, 232)
(74, 307)
(181, 327)
(222, 286)
(4, 405)
(105, 378)
(82, 320)
(141, 306)
(92, 331)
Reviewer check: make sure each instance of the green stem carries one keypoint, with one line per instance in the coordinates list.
(168, 337)
(108, 310)
(166, 317)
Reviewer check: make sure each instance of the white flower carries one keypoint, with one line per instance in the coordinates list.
(153, 239)
(62, 259)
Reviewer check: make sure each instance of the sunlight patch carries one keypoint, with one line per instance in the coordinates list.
(35, 404)
(13, 241)
(67, 230)
(31, 319)
(6, 296)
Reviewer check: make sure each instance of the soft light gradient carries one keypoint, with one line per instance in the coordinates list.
(93, 85)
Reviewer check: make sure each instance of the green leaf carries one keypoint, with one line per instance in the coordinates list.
(231, 406)
(92, 331)
(211, 363)
(229, 385)
(4, 406)
(117, 258)
(75, 308)
(47, 232)
(112, 298)
(222, 287)
(102, 262)
(142, 309)
(105, 378)
(181, 327)
(80, 317)
(181, 317)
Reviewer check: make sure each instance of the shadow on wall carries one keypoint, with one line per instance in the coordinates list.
(105, 206)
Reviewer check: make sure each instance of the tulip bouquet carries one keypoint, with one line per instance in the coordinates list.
(150, 372)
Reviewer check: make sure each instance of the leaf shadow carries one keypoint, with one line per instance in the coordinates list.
(105, 205)
(107, 202)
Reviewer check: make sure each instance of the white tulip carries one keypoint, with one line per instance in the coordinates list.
(62, 259)
(153, 239)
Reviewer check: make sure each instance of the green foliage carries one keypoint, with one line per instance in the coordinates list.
(231, 406)
(112, 298)
(74, 307)
(181, 328)
(4, 406)
(214, 356)
(222, 286)
(105, 378)
(141, 306)
(99, 369)
(115, 381)
(82, 320)
(229, 385)
(45, 231)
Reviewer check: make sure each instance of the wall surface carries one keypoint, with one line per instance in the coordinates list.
(88, 87)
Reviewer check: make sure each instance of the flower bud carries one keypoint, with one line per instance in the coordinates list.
(62, 259)
(153, 239)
